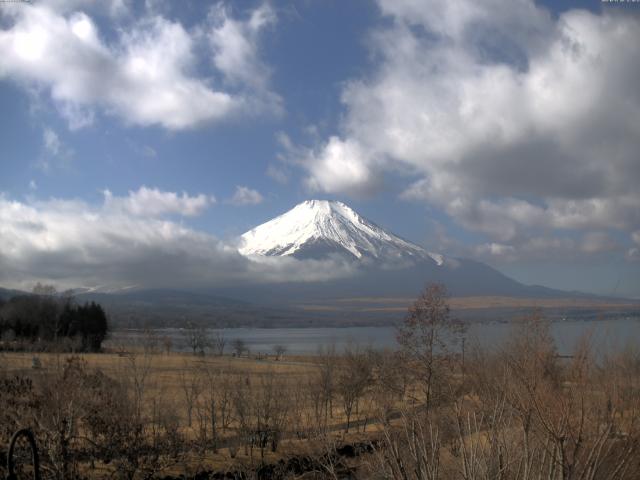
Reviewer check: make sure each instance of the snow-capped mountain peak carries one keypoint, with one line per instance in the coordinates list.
(317, 228)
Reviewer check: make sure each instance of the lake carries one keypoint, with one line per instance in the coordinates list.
(607, 336)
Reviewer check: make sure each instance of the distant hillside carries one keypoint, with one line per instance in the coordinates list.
(313, 306)
(6, 293)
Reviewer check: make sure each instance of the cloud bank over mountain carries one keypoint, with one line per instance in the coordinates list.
(133, 240)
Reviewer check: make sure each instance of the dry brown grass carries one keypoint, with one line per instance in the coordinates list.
(164, 379)
(166, 374)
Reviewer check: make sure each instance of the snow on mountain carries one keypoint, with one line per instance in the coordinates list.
(317, 228)
(104, 289)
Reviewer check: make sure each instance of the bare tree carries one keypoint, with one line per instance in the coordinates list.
(44, 290)
(197, 338)
(136, 373)
(167, 343)
(392, 380)
(150, 341)
(353, 379)
(327, 363)
(426, 336)
(191, 388)
(241, 396)
(271, 409)
(279, 351)
(239, 346)
(412, 451)
(59, 420)
(216, 404)
(219, 342)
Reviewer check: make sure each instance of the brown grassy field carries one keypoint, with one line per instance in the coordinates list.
(166, 375)
(181, 385)
(515, 411)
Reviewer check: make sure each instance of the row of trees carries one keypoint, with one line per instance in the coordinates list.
(46, 319)
(200, 341)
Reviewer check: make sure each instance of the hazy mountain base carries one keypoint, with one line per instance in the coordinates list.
(295, 306)
(149, 309)
(381, 298)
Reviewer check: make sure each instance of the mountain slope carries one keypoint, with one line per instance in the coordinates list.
(319, 228)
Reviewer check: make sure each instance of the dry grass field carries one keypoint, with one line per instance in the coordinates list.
(516, 411)
(248, 400)
(165, 376)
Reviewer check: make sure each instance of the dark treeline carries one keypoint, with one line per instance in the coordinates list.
(43, 321)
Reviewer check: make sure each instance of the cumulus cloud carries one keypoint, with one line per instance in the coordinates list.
(234, 44)
(235, 52)
(246, 196)
(598, 242)
(336, 166)
(154, 202)
(510, 120)
(70, 243)
(145, 76)
(534, 248)
(341, 166)
(546, 247)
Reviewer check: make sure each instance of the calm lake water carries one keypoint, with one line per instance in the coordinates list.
(607, 336)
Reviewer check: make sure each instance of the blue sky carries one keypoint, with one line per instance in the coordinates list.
(505, 133)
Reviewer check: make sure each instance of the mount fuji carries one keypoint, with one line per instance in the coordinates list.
(384, 264)
(319, 228)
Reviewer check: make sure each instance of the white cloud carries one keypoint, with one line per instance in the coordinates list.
(511, 121)
(51, 141)
(278, 173)
(235, 44)
(597, 242)
(33, 185)
(246, 196)
(496, 249)
(236, 54)
(146, 76)
(530, 249)
(148, 151)
(154, 202)
(55, 152)
(112, 8)
(633, 254)
(70, 243)
(341, 166)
